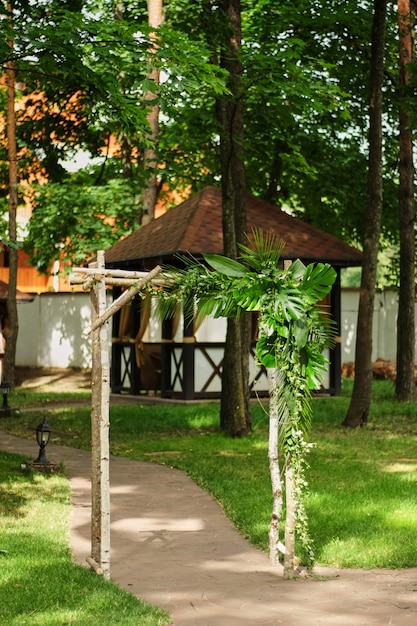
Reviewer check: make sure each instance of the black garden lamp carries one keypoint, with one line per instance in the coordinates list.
(4, 391)
(43, 433)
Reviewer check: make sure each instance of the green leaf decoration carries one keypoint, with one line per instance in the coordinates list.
(283, 331)
(301, 332)
(264, 353)
(266, 253)
(226, 266)
(318, 280)
(293, 330)
(297, 269)
(288, 305)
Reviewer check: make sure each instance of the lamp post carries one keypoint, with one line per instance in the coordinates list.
(5, 410)
(43, 433)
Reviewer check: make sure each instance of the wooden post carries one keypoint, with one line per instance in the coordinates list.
(95, 278)
(290, 512)
(275, 546)
(100, 448)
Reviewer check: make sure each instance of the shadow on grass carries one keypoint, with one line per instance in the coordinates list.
(39, 582)
(37, 593)
(14, 494)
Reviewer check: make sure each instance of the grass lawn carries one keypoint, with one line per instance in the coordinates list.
(362, 503)
(39, 583)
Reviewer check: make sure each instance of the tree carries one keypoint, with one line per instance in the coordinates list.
(45, 63)
(234, 407)
(293, 331)
(85, 96)
(71, 97)
(405, 382)
(300, 126)
(361, 395)
(12, 329)
(304, 73)
(94, 215)
(150, 158)
(304, 126)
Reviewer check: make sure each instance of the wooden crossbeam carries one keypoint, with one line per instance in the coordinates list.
(124, 298)
(108, 272)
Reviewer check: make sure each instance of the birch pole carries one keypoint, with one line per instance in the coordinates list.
(290, 505)
(100, 424)
(275, 546)
(95, 278)
(123, 299)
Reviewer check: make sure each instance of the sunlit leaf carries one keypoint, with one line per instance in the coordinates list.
(226, 266)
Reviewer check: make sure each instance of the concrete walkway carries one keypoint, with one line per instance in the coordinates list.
(173, 547)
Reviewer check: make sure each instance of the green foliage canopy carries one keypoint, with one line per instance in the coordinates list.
(94, 215)
(83, 75)
(306, 66)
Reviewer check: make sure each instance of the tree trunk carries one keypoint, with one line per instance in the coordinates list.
(362, 389)
(233, 418)
(246, 335)
(405, 384)
(275, 173)
(234, 409)
(150, 159)
(126, 156)
(12, 328)
(123, 140)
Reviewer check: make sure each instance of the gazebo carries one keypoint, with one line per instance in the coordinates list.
(188, 368)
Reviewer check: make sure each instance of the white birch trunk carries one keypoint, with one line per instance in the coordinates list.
(100, 448)
(95, 278)
(290, 505)
(274, 542)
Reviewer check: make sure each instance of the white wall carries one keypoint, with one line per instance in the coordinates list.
(384, 325)
(50, 331)
(51, 327)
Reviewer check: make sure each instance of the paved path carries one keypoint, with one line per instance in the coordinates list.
(172, 546)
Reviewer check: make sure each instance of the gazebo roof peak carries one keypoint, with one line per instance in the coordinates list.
(195, 226)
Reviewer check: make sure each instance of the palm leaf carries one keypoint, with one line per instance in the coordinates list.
(267, 252)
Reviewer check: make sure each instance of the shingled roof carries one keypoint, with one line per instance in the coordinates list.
(195, 226)
(20, 295)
